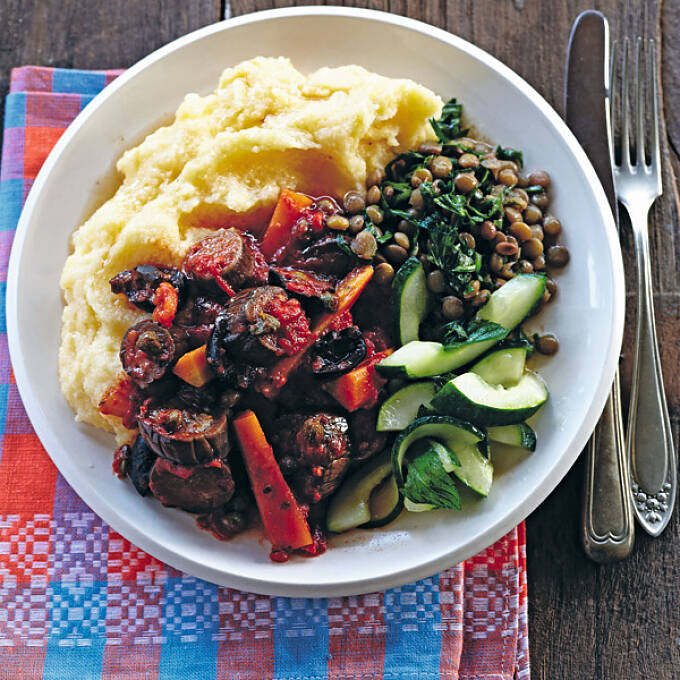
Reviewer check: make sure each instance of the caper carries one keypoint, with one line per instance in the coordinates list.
(376, 176)
(384, 273)
(547, 344)
(395, 254)
(512, 214)
(468, 160)
(467, 239)
(465, 182)
(353, 202)
(521, 230)
(356, 223)
(480, 299)
(407, 227)
(495, 263)
(532, 248)
(429, 148)
(507, 177)
(337, 222)
(436, 281)
(373, 194)
(539, 178)
(532, 214)
(452, 307)
(441, 166)
(326, 205)
(551, 225)
(375, 214)
(402, 240)
(488, 230)
(416, 199)
(557, 256)
(541, 200)
(364, 245)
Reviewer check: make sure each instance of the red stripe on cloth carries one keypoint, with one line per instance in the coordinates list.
(27, 477)
(24, 663)
(356, 637)
(126, 562)
(31, 79)
(246, 646)
(25, 550)
(490, 612)
(38, 143)
(131, 662)
(451, 608)
(52, 111)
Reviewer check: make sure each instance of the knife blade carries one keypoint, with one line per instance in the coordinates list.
(607, 528)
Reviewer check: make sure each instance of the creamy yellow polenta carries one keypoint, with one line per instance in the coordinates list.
(222, 162)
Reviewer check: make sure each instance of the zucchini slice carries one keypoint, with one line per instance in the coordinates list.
(350, 506)
(502, 367)
(410, 299)
(402, 407)
(508, 306)
(470, 397)
(459, 438)
(385, 504)
(520, 435)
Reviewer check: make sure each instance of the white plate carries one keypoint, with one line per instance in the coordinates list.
(587, 317)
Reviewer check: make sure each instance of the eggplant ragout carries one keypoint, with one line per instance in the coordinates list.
(356, 360)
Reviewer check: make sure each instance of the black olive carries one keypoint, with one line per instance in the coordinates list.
(183, 435)
(139, 284)
(337, 352)
(140, 460)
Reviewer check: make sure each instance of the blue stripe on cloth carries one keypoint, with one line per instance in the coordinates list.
(11, 200)
(191, 621)
(4, 394)
(77, 82)
(300, 638)
(15, 110)
(413, 638)
(77, 630)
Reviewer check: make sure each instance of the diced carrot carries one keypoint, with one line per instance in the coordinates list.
(121, 400)
(347, 292)
(284, 521)
(359, 387)
(165, 300)
(286, 214)
(193, 367)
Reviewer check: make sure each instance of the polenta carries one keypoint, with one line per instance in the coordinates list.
(221, 163)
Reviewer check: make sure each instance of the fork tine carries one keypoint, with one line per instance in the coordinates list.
(625, 132)
(640, 96)
(651, 76)
(611, 103)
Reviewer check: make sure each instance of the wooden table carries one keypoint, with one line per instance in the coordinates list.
(587, 621)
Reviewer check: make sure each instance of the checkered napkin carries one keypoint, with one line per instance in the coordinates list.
(77, 600)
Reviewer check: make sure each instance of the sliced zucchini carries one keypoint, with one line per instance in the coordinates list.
(385, 504)
(507, 306)
(402, 407)
(410, 298)
(520, 435)
(349, 507)
(470, 397)
(460, 438)
(502, 367)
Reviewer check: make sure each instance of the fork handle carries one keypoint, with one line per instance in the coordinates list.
(649, 438)
(607, 529)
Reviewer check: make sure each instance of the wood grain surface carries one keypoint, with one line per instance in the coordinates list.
(616, 622)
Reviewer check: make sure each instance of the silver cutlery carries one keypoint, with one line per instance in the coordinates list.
(637, 179)
(607, 526)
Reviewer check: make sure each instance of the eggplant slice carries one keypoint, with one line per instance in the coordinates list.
(183, 435)
(201, 488)
(146, 351)
(140, 460)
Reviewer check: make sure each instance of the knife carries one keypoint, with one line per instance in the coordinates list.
(607, 527)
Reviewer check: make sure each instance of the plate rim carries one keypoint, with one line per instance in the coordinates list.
(517, 511)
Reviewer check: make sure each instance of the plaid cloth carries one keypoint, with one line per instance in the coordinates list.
(77, 600)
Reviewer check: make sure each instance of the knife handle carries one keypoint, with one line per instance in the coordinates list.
(607, 528)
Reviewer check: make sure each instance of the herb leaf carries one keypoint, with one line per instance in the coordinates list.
(426, 479)
(455, 335)
(510, 155)
(447, 127)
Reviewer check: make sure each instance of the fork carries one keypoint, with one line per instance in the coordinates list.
(638, 185)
